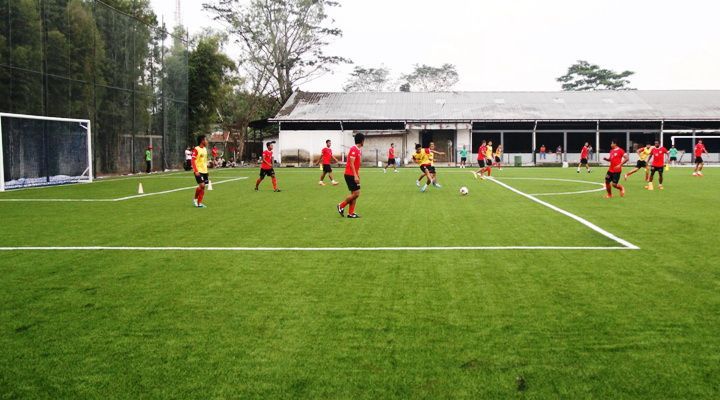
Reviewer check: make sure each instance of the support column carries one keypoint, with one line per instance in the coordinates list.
(627, 141)
(502, 143)
(534, 143)
(565, 151)
(662, 133)
(597, 142)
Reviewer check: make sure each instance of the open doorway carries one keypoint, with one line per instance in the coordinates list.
(444, 140)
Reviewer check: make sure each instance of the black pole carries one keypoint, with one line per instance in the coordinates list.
(43, 21)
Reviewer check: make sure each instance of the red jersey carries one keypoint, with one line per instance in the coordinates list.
(391, 152)
(699, 150)
(616, 159)
(658, 156)
(481, 152)
(584, 152)
(267, 160)
(357, 154)
(326, 155)
(214, 152)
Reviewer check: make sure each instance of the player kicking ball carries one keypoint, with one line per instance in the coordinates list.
(326, 157)
(617, 159)
(658, 165)
(352, 177)
(422, 158)
(266, 168)
(199, 162)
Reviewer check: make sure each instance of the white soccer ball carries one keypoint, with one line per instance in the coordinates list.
(464, 191)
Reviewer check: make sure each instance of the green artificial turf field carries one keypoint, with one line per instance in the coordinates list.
(585, 317)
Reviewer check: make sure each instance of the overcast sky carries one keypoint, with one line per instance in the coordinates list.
(520, 44)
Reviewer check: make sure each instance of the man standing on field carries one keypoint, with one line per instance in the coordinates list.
(352, 177)
(584, 155)
(148, 159)
(266, 168)
(699, 162)
(199, 162)
(326, 157)
(463, 156)
(391, 158)
(617, 159)
(658, 165)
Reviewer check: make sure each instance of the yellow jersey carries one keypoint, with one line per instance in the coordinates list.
(498, 152)
(200, 159)
(489, 152)
(421, 158)
(645, 153)
(431, 157)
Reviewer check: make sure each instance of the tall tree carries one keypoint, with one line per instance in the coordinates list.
(426, 78)
(210, 71)
(583, 76)
(368, 80)
(281, 40)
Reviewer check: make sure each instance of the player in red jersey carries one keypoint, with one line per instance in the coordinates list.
(658, 165)
(617, 159)
(391, 159)
(326, 157)
(699, 162)
(584, 155)
(352, 177)
(266, 169)
(482, 162)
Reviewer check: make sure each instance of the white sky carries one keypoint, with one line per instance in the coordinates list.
(520, 44)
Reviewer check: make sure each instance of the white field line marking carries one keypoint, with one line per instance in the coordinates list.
(569, 214)
(116, 199)
(300, 249)
(600, 189)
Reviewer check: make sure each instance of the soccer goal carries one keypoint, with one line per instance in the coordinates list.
(688, 138)
(41, 151)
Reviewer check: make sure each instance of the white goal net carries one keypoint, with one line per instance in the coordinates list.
(41, 151)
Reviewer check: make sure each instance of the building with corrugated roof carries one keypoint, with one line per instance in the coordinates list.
(522, 122)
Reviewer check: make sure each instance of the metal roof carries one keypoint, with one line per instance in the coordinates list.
(479, 106)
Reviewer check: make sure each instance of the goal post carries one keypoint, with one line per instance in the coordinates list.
(41, 151)
(693, 135)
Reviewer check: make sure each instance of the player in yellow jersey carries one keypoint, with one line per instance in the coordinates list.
(643, 155)
(199, 163)
(422, 158)
(431, 156)
(498, 157)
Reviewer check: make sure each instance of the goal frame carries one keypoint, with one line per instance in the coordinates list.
(87, 127)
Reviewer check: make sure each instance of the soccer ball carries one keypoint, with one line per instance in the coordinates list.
(464, 191)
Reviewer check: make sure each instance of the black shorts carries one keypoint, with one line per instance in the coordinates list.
(497, 160)
(613, 177)
(266, 172)
(641, 164)
(327, 168)
(673, 158)
(424, 168)
(352, 186)
(481, 163)
(488, 162)
(391, 161)
(583, 161)
(699, 160)
(202, 178)
(658, 169)
(463, 159)
(431, 169)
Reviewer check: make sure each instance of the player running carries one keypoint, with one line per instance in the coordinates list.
(658, 165)
(431, 156)
(617, 159)
(266, 168)
(199, 163)
(498, 157)
(481, 159)
(463, 157)
(699, 162)
(584, 155)
(643, 154)
(422, 158)
(352, 177)
(489, 158)
(391, 159)
(326, 157)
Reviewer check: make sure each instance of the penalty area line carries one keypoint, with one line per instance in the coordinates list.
(301, 249)
(581, 220)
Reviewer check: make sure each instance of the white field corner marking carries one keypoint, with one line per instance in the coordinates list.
(581, 220)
